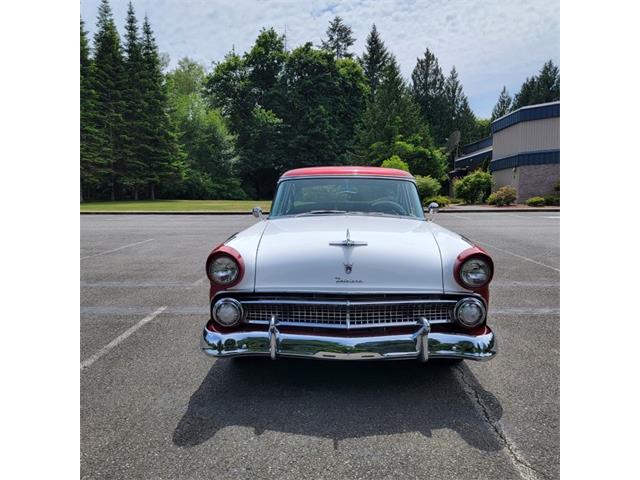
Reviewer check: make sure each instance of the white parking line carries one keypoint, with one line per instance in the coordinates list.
(116, 249)
(89, 361)
(520, 256)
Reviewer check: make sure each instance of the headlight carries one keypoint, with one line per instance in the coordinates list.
(475, 272)
(470, 312)
(227, 312)
(223, 270)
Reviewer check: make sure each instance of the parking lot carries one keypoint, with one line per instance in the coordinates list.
(154, 406)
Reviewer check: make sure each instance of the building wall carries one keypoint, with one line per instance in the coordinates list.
(527, 137)
(526, 146)
(537, 180)
(508, 176)
(529, 180)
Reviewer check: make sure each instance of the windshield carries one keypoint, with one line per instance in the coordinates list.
(326, 196)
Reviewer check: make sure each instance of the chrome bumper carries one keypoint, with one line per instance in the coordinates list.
(422, 345)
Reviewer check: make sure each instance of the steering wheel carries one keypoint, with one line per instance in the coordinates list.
(393, 207)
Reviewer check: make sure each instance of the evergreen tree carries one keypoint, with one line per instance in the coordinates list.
(543, 88)
(339, 38)
(133, 95)
(160, 150)
(527, 94)
(467, 122)
(503, 106)
(548, 83)
(393, 116)
(374, 60)
(108, 83)
(458, 114)
(92, 139)
(429, 93)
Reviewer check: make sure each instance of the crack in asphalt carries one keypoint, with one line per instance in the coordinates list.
(526, 471)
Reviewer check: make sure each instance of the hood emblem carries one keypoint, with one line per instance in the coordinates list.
(348, 267)
(348, 242)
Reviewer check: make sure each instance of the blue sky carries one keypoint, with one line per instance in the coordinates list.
(491, 42)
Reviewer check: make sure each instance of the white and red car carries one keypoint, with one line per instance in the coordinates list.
(347, 267)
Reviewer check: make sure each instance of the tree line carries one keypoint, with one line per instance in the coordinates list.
(230, 132)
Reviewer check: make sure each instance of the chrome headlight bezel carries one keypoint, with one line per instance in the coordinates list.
(473, 266)
(470, 301)
(227, 302)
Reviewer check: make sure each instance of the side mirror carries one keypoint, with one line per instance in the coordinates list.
(257, 212)
(433, 209)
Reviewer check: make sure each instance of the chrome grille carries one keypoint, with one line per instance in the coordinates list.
(348, 314)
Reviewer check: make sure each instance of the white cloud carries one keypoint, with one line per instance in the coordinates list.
(491, 42)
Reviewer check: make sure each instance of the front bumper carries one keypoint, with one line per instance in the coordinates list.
(422, 344)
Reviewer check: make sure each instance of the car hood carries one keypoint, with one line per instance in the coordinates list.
(400, 255)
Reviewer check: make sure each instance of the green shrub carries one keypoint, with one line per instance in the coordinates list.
(551, 200)
(535, 202)
(395, 161)
(441, 200)
(474, 188)
(503, 196)
(427, 186)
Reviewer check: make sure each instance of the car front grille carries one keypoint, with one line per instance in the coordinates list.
(345, 314)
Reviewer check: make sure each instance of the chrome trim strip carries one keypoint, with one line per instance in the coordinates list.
(343, 302)
(345, 326)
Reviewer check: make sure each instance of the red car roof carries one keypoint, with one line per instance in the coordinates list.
(329, 171)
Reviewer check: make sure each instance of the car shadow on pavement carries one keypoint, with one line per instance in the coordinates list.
(339, 400)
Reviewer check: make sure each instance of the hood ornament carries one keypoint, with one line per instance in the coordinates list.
(348, 242)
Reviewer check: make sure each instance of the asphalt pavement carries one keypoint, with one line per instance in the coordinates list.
(153, 406)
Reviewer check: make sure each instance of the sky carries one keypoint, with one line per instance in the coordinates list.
(491, 42)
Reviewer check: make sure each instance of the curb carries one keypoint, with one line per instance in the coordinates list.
(208, 212)
(192, 212)
(497, 210)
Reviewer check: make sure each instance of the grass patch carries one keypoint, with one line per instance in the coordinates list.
(241, 206)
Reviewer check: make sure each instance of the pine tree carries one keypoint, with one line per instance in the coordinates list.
(548, 83)
(108, 83)
(133, 94)
(543, 88)
(428, 92)
(374, 60)
(467, 122)
(503, 105)
(92, 166)
(339, 38)
(392, 116)
(458, 114)
(159, 140)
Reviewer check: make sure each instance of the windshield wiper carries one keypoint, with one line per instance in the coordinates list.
(320, 212)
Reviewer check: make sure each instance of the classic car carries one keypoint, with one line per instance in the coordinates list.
(347, 267)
